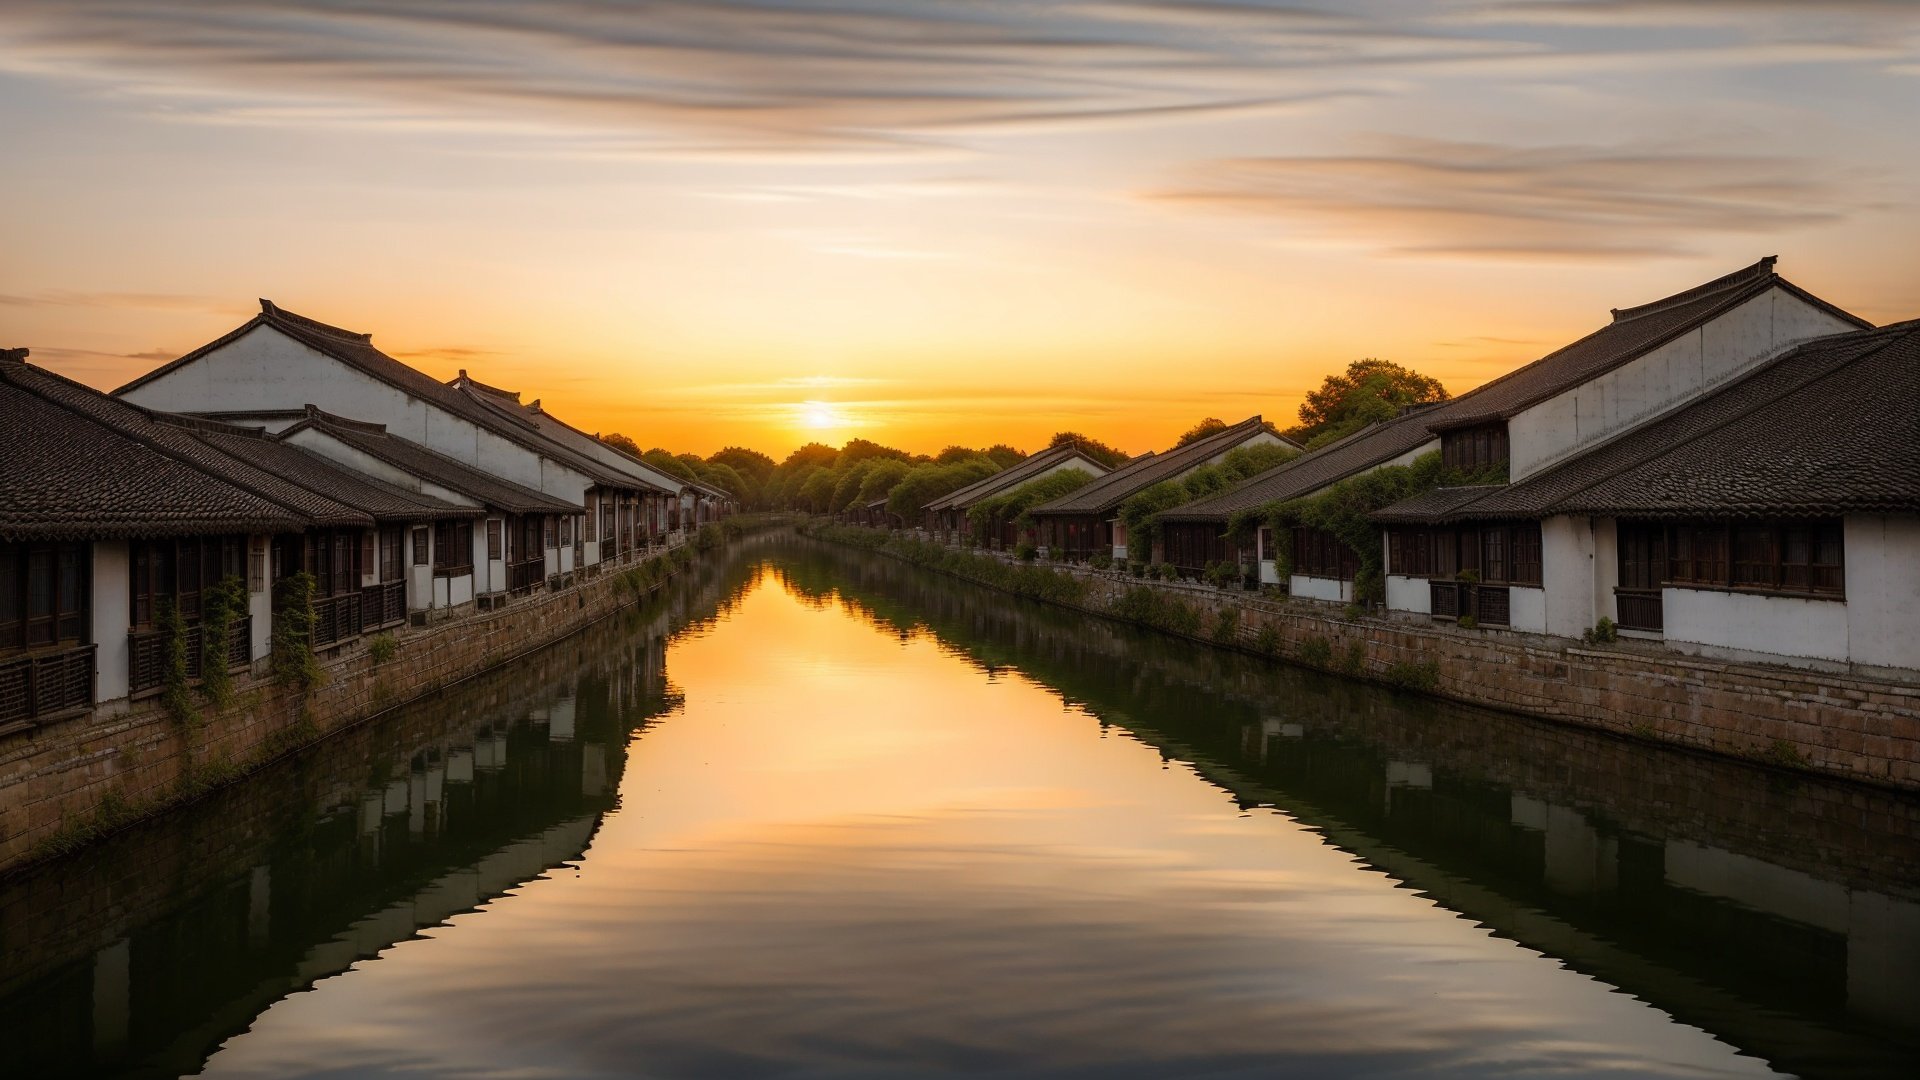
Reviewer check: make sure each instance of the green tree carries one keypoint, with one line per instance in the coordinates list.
(1093, 448)
(927, 482)
(1005, 456)
(880, 479)
(1202, 429)
(621, 443)
(1369, 390)
(751, 464)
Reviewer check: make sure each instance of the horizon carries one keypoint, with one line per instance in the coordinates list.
(742, 224)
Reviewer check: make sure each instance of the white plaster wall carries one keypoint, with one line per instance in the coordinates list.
(1320, 588)
(1408, 594)
(1527, 609)
(111, 619)
(419, 578)
(353, 458)
(1262, 437)
(1269, 572)
(1606, 568)
(1883, 590)
(1567, 567)
(1780, 625)
(265, 369)
(1664, 377)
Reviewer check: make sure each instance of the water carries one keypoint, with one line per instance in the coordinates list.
(816, 813)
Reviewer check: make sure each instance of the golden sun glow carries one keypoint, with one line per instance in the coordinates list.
(820, 416)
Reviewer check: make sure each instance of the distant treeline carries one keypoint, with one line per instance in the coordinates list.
(823, 479)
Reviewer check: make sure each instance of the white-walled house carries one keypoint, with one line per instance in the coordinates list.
(1776, 516)
(278, 362)
(1647, 361)
(1087, 522)
(512, 546)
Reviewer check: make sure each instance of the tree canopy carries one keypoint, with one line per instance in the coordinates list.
(1368, 391)
(1093, 448)
(1202, 429)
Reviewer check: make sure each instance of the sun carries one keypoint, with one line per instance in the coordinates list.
(819, 416)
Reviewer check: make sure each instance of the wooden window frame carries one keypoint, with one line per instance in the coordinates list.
(1752, 556)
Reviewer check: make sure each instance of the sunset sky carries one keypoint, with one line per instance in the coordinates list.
(761, 222)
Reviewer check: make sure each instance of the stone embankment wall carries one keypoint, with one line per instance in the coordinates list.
(1837, 725)
(66, 782)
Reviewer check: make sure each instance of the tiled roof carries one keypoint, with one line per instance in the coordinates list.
(1363, 450)
(622, 469)
(356, 350)
(1846, 439)
(492, 491)
(1632, 333)
(69, 472)
(1827, 427)
(1432, 505)
(1116, 487)
(371, 495)
(177, 436)
(1014, 475)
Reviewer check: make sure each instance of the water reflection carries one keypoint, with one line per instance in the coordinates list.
(828, 851)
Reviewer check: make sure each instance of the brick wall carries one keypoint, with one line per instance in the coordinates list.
(63, 776)
(1848, 726)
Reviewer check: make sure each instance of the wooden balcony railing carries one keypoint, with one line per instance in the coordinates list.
(524, 575)
(38, 685)
(337, 618)
(1640, 609)
(147, 653)
(384, 604)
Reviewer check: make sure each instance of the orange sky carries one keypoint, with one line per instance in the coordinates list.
(941, 222)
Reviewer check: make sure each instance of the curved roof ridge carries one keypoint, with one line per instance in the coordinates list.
(1746, 275)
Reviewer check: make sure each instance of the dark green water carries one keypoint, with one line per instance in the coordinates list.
(815, 813)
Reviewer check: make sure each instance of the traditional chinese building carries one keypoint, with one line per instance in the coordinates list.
(1647, 360)
(1776, 515)
(947, 516)
(1087, 521)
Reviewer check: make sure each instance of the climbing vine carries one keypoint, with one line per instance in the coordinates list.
(1345, 510)
(175, 696)
(294, 665)
(220, 605)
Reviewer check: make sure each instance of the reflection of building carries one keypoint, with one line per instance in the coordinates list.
(165, 941)
(1750, 908)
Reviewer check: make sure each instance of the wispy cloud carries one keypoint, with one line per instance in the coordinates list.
(1433, 197)
(69, 298)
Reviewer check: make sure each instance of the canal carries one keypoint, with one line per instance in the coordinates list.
(812, 812)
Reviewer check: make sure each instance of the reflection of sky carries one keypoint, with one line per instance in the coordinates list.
(853, 855)
(1052, 214)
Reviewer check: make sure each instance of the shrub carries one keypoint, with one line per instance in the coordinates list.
(1354, 660)
(1421, 675)
(1166, 571)
(1226, 628)
(1267, 641)
(1604, 632)
(1026, 552)
(1468, 622)
(1102, 561)
(1136, 568)
(1150, 607)
(1222, 574)
(1316, 651)
(1353, 613)
(381, 647)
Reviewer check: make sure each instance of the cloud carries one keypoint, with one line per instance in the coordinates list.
(145, 301)
(682, 78)
(1444, 198)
